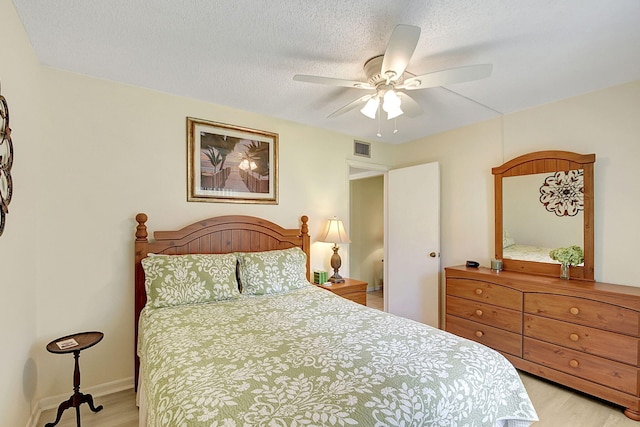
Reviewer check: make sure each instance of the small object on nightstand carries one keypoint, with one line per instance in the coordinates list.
(74, 344)
(473, 264)
(319, 276)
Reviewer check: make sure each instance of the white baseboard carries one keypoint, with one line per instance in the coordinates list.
(96, 391)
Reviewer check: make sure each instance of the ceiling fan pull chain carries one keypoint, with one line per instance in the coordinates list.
(395, 125)
(379, 116)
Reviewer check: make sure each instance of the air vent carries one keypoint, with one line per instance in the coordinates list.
(362, 149)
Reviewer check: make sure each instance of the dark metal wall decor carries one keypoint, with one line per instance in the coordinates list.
(6, 161)
(563, 193)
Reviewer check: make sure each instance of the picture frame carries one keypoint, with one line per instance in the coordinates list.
(231, 164)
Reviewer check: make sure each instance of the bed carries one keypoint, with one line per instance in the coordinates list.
(257, 345)
(513, 250)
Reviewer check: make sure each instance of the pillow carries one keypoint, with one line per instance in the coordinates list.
(507, 240)
(272, 272)
(188, 279)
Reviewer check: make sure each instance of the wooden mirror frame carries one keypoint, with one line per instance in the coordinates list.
(545, 162)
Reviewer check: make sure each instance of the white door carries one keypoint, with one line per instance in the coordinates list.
(412, 236)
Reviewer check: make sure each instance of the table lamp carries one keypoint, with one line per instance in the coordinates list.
(335, 233)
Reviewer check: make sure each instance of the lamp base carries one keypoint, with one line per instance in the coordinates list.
(336, 262)
(334, 279)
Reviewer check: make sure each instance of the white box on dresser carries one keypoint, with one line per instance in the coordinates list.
(582, 334)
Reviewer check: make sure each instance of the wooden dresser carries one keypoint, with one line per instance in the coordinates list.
(585, 335)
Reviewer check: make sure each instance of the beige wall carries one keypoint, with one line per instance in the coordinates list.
(603, 122)
(19, 80)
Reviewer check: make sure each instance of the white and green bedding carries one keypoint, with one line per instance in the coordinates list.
(309, 358)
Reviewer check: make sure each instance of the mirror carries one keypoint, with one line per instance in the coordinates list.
(544, 200)
(541, 212)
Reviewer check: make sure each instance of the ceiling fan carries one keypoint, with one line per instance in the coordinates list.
(388, 78)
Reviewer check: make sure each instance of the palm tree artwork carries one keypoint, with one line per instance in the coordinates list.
(216, 148)
(254, 166)
(229, 163)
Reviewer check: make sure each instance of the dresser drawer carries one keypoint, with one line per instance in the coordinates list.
(602, 371)
(487, 314)
(486, 292)
(622, 348)
(498, 339)
(583, 311)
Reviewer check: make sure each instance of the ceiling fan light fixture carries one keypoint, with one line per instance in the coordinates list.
(391, 101)
(371, 107)
(392, 104)
(388, 80)
(392, 113)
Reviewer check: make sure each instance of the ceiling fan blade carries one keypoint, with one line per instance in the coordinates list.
(350, 106)
(409, 106)
(447, 77)
(332, 82)
(400, 48)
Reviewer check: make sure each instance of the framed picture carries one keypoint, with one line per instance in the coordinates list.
(231, 164)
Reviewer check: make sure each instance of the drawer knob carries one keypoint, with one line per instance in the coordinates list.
(479, 313)
(479, 334)
(574, 337)
(479, 291)
(574, 310)
(574, 363)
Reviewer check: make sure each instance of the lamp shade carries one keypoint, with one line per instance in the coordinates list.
(334, 233)
(392, 104)
(392, 113)
(391, 101)
(371, 107)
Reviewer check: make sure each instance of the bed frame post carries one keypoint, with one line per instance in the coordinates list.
(306, 243)
(140, 297)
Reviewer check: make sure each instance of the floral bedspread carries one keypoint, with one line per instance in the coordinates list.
(310, 358)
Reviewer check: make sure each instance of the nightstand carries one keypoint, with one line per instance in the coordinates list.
(351, 289)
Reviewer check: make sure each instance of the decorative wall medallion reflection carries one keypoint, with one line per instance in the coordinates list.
(563, 193)
(6, 161)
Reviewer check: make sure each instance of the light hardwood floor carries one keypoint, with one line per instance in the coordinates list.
(375, 300)
(556, 406)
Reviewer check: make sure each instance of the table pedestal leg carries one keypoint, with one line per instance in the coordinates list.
(77, 398)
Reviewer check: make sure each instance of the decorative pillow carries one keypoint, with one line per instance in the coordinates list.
(272, 272)
(507, 240)
(189, 279)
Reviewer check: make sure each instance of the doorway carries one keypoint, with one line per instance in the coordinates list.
(366, 222)
(404, 205)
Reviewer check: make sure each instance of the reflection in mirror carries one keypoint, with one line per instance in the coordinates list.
(530, 192)
(542, 212)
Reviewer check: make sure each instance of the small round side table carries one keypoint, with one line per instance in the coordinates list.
(74, 344)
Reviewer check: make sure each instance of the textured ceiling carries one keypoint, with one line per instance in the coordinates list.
(244, 53)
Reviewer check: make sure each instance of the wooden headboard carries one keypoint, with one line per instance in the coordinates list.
(218, 235)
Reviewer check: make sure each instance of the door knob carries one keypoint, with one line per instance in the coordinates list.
(433, 254)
